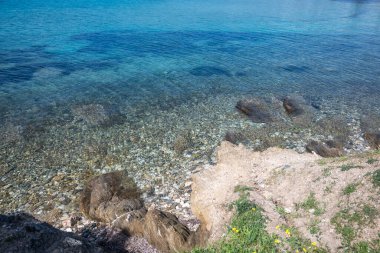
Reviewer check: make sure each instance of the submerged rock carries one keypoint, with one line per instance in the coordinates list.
(92, 114)
(328, 149)
(234, 138)
(293, 107)
(257, 110)
(21, 232)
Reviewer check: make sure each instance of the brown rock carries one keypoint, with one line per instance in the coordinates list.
(328, 149)
(373, 139)
(164, 231)
(258, 111)
(110, 195)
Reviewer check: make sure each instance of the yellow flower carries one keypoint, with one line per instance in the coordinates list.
(237, 231)
(253, 209)
(278, 227)
(314, 244)
(287, 231)
(254, 252)
(304, 250)
(277, 241)
(234, 229)
(297, 251)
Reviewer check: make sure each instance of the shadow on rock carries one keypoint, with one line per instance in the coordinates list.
(113, 198)
(21, 232)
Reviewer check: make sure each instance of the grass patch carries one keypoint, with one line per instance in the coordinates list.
(347, 167)
(350, 188)
(247, 234)
(311, 203)
(372, 160)
(349, 222)
(376, 178)
(314, 228)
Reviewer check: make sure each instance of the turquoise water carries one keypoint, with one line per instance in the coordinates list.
(127, 52)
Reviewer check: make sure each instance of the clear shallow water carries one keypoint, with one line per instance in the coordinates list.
(131, 51)
(157, 69)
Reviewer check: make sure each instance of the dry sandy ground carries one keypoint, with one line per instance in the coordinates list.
(281, 180)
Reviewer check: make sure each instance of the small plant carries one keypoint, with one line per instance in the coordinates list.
(371, 160)
(311, 203)
(242, 188)
(314, 228)
(376, 178)
(350, 188)
(347, 167)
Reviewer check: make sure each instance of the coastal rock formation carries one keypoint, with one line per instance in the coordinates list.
(373, 139)
(113, 198)
(20, 232)
(164, 231)
(110, 195)
(328, 149)
(257, 110)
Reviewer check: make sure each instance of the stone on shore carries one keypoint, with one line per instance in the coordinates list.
(328, 149)
(373, 139)
(109, 196)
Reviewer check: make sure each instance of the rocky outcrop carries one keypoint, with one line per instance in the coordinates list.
(113, 198)
(373, 139)
(20, 232)
(257, 110)
(328, 149)
(164, 231)
(109, 196)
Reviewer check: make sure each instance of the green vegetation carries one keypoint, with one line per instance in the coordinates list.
(348, 222)
(312, 203)
(314, 228)
(350, 188)
(347, 167)
(376, 178)
(371, 160)
(247, 233)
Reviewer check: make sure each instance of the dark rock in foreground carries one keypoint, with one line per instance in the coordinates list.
(258, 111)
(328, 149)
(21, 232)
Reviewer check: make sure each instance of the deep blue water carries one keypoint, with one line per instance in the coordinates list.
(163, 53)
